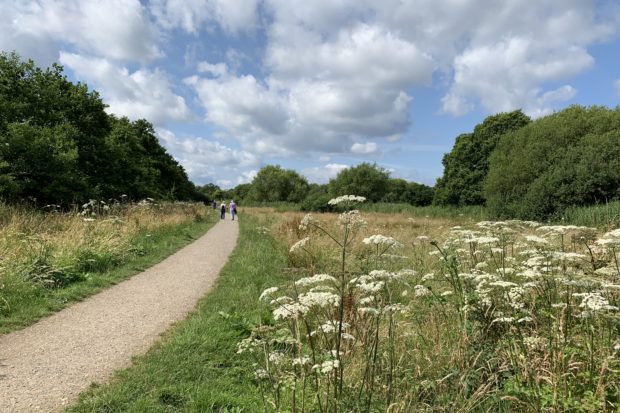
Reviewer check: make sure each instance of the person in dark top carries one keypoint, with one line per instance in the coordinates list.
(223, 211)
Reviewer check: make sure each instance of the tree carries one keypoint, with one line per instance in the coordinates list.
(273, 184)
(467, 165)
(569, 158)
(364, 179)
(58, 145)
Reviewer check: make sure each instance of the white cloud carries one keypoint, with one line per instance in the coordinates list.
(115, 29)
(210, 161)
(142, 94)
(233, 16)
(369, 148)
(322, 174)
(508, 75)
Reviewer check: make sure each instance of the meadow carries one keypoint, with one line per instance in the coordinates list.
(52, 258)
(393, 312)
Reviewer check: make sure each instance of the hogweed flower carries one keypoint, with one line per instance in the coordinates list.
(315, 279)
(299, 244)
(382, 240)
(351, 219)
(346, 199)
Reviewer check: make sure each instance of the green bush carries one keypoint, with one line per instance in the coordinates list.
(570, 158)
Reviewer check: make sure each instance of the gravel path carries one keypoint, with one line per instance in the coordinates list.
(45, 366)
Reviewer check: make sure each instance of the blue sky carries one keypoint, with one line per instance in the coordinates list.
(316, 86)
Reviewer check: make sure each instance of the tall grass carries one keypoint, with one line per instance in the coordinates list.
(51, 258)
(494, 316)
(601, 216)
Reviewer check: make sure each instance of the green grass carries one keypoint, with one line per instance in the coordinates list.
(195, 368)
(30, 302)
(601, 216)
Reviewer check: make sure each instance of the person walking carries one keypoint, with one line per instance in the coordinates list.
(223, 211)
(233, 209)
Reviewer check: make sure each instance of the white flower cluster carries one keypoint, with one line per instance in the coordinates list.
(327, 366)
(351, 219)
(315, 279)
(382, 240)
(346, 199)
(307, 221)
(595, 302)
(610, 239)
(299, 244)
(267, 293)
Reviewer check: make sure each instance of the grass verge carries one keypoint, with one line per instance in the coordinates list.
(195, 367)
(31, 302)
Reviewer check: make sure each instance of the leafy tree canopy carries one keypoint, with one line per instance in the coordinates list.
(273, 184)
(367, 180)
(569, 158)
(58, 145)
(467, 165)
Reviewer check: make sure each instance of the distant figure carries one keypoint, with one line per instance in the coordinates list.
(233, 209)
(223, 211)
(214, 204)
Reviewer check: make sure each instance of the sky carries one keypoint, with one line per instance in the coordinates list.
(321, 85)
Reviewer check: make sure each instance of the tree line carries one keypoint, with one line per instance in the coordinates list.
(59, 146)
(515, 166)
(275, 184)
(527, 169)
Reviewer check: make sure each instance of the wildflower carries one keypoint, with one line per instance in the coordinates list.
(290, 310)
(319, 299)
(383, 274)
(595, 302)
(88, 219)
(406, 273)
(606, 271)
(428, 277)
(315, 279)
(535, 342)
(368, 310)
(423, 238)
(307, 221)
(346, 199)
(382, 240)
(268, 292)
(536, 240)
(503, 320)
(327, 366)
(351, 219)
(299, 244)
(371, 287)
(301, 361)
(447, 293)
(421, 291)
(261, 374)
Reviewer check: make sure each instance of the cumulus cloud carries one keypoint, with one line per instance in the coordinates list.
(322, 174)
(209, 161)
(340, 72)
(141, 94)
(192, 16)
(369, 148)
(514, 52)
(115, 29)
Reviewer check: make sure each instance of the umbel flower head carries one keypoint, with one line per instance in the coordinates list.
(346, 199)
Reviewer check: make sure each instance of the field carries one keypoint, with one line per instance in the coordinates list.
(378, 312)
(50, 259)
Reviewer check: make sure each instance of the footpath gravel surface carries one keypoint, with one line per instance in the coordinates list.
(45, 366)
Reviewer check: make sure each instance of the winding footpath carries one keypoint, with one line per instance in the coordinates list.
(45, 366)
